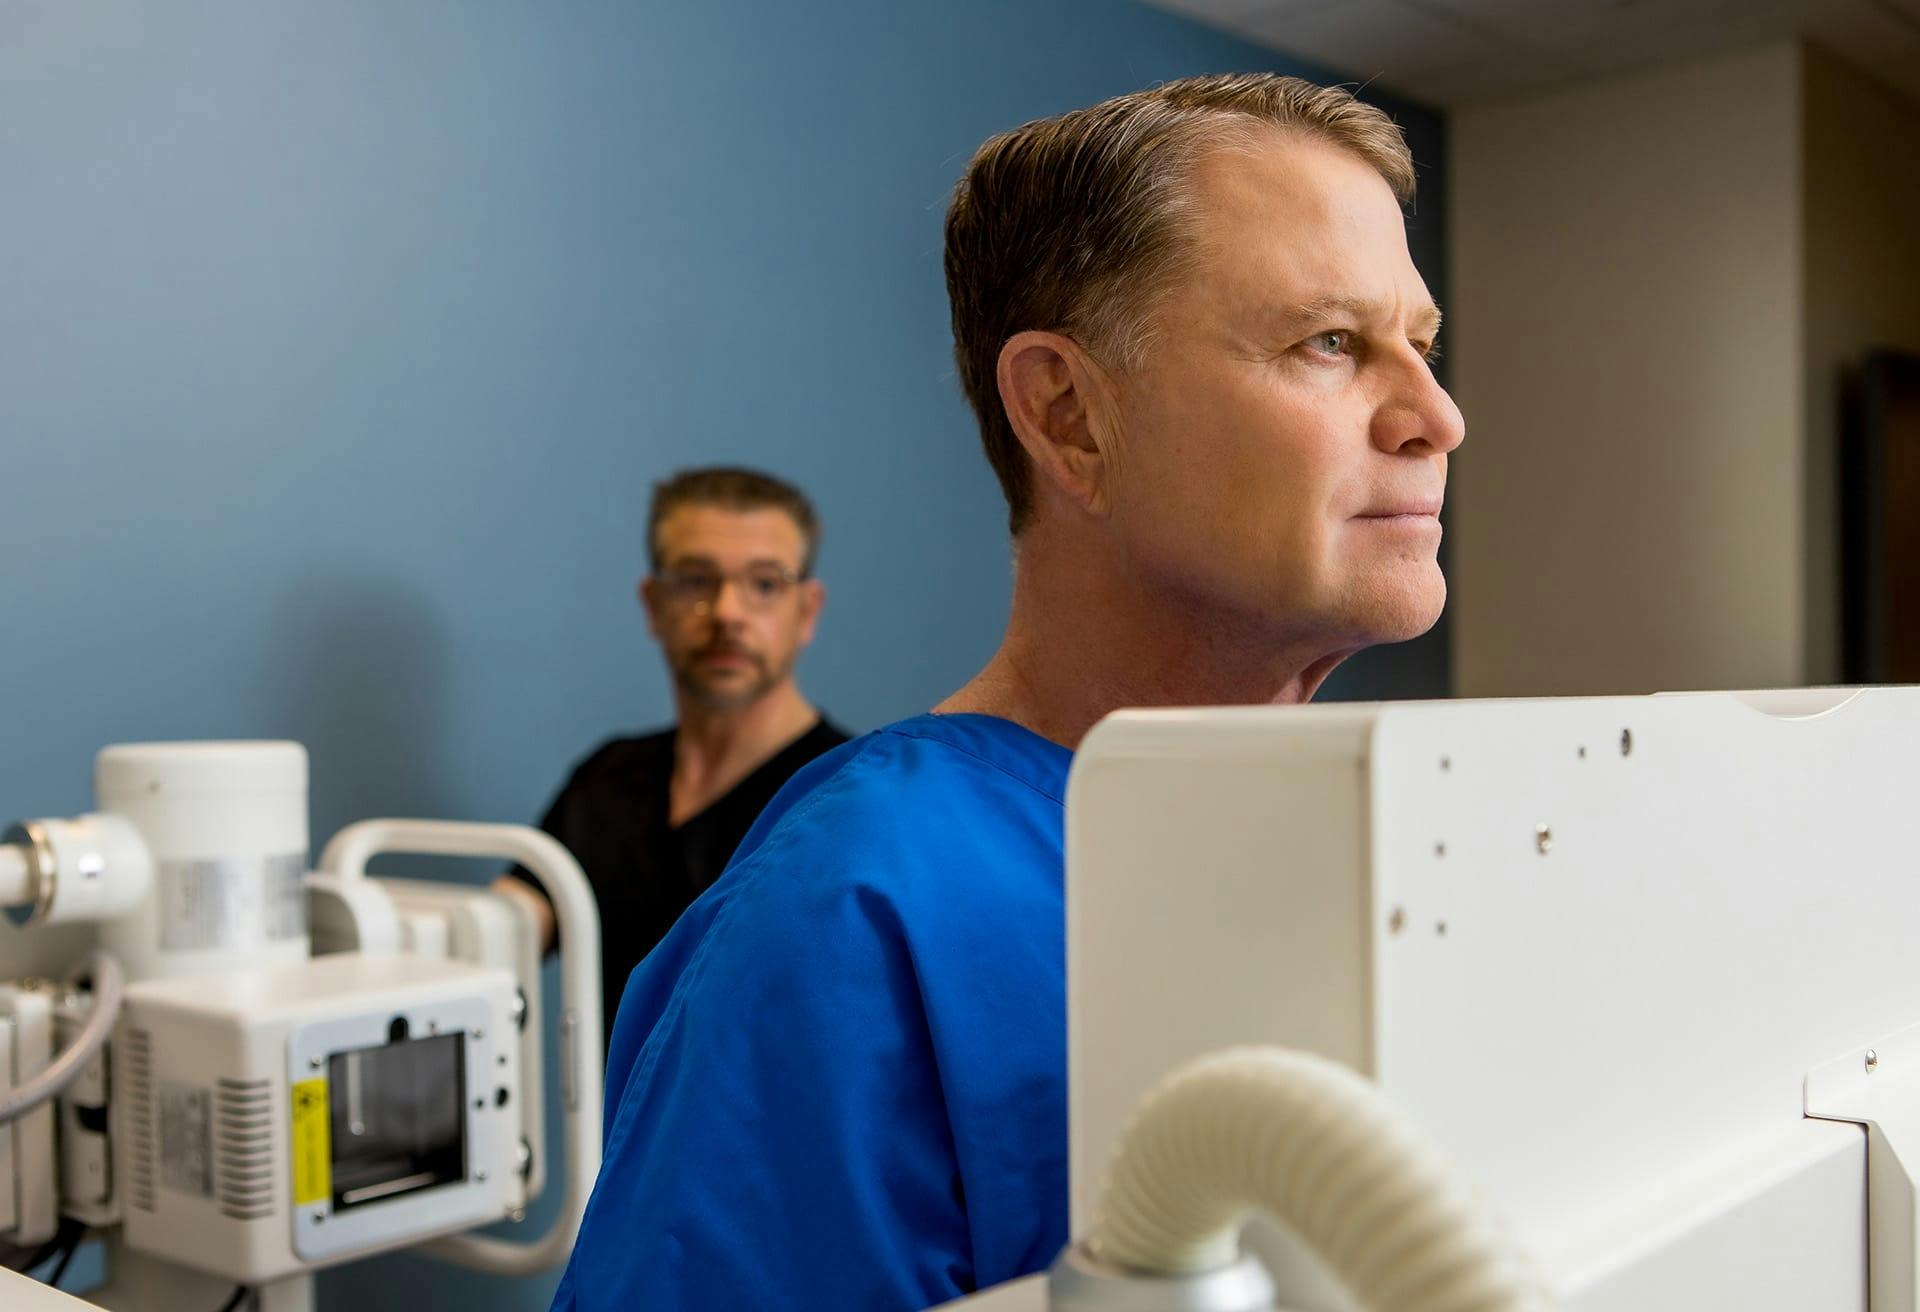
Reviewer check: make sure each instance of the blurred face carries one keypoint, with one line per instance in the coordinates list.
(1282, 453)
(727, 602)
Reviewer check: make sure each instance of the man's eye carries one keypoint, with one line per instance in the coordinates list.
(697, 582)
(1329, 343)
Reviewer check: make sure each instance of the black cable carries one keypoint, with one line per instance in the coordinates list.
(66, 1259)
(69, 1233)
(240, 1293)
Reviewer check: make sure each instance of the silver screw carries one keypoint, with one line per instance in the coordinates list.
(314, 1062)
(1873, 1061)
(479, 1033)
(1543, 839)
(480, 1176)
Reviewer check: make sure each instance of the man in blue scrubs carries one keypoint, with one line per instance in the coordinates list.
(1197, 347)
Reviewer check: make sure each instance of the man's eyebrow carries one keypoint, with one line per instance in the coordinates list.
(1334, 306)
(708, 562)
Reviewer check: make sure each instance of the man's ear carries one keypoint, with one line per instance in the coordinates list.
(813, 597)
(649, 594)
(1059, 402)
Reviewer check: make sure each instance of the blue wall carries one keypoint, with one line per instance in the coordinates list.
(340, 343)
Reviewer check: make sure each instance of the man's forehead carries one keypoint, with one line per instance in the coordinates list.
(1302, 231)
(707, 529)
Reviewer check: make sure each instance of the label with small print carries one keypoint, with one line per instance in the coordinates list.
(186, 1139)
(312, 1145)
(230, 902)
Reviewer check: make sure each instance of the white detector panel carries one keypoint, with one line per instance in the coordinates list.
(1593, 945)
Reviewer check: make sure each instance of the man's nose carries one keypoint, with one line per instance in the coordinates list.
(729, 604)
(1419, 413)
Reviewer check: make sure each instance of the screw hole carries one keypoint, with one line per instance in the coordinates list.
(1440, 849)
(1440, 928)
(1397, 921)
(1626, 742)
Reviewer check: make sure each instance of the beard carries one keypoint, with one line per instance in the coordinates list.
(731, 688)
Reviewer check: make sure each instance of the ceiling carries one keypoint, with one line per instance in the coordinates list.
(1457, 52)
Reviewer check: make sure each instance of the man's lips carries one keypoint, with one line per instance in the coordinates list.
(1412, 508)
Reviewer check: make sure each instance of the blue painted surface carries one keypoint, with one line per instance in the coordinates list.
(340, 344)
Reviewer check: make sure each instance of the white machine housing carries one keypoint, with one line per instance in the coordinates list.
(229, 1076)
(223, 1108)
(1614, 955)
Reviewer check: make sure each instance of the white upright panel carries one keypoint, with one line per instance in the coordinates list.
(1593, 946)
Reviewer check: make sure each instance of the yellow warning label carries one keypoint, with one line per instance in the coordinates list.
(312, 1150)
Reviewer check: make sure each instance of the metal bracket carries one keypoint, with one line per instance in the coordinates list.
(1879, 1087)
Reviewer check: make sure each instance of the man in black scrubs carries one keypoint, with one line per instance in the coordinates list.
(732, 600)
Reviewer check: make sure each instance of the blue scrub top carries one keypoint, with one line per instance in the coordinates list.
(840, 1081)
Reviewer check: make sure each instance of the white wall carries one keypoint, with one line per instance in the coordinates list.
(1624, 331)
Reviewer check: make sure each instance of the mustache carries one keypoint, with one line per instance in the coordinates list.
(725, 647)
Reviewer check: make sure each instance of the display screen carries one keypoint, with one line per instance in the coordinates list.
(397, 1118)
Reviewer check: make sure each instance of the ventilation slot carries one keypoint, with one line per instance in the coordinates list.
(138, 1067)
(243, 1148)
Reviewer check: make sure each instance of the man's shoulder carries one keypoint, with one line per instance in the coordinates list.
(930, 762)
(623, 754)
(908, 801)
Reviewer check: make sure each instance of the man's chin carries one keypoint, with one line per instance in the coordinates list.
(725, 693)
(1402, 608)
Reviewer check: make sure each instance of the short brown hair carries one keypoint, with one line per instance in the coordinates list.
(732, 488)
(1071, 224)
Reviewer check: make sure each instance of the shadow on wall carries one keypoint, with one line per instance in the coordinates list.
(357, 668)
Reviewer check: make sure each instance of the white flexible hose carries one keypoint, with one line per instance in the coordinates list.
(1322, 1150)
(16, 875)
(109, 986)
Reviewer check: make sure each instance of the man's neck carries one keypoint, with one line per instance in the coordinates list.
(1086, 638)
(714, 749)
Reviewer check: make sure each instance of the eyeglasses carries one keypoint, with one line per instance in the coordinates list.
(690, 587)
